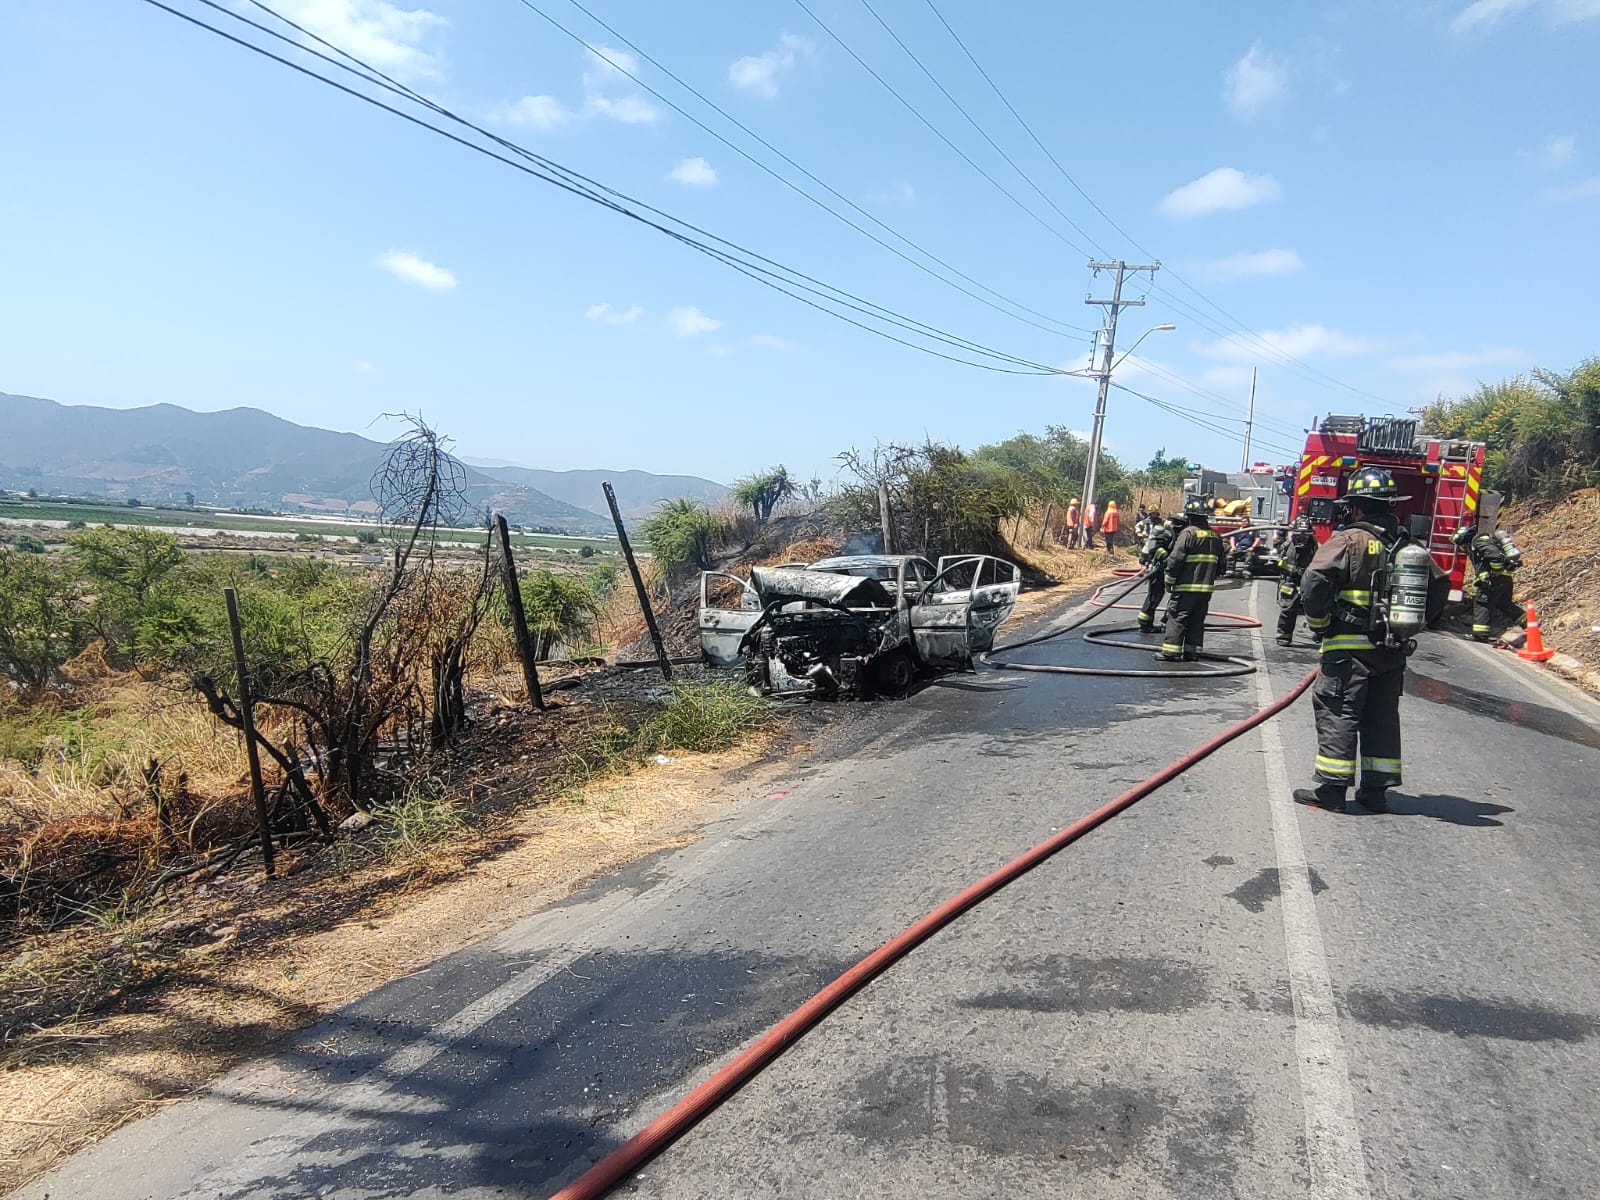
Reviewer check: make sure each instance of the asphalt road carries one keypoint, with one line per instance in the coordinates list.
(1217, 994)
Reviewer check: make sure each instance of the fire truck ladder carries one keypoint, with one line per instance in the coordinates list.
(1454, 504)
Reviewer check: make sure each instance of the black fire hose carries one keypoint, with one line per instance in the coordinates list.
(1226, 664)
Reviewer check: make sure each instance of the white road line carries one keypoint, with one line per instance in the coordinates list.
(1333, 1140)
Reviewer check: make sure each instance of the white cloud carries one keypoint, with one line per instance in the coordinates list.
(629, 110)
(604, 312)
(687, 322)
(385, 35)
(1224, 188)
(1245, 266)
(606, 64)
(605, 68)
(696, 172)
(1457, 360)
(1298, 341)
(768, 342)
(412, 268)
(760, 73)
(1588, 189)
(1486, 14)
(1256, 82)
(365, 367)
(534, 112)
(1556, 153)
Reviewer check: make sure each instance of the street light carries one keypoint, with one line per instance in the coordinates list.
(1091, 475)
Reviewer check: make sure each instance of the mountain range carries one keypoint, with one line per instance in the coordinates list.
(247, 458)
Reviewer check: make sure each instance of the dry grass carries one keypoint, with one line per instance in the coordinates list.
(156, 1003)
(1561, 548)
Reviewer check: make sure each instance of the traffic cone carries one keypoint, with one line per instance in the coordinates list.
(1533, 649)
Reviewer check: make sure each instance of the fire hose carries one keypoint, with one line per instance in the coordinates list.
(1227, 664)
(660, 1133)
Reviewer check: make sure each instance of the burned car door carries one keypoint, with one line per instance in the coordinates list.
(728, 608)
(957, 615)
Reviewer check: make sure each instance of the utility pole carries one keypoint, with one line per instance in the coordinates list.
(1108, 344)
(1244, 465)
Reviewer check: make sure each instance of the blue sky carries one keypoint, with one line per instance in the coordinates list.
(1402, 195)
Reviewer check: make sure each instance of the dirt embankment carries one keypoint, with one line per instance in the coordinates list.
(1560, 543)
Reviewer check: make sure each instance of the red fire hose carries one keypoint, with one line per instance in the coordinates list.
(728, 1079)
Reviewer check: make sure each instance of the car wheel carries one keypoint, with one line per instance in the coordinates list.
(893, 675)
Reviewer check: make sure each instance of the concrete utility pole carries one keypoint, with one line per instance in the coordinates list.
(1108, 342)
(1249, 421)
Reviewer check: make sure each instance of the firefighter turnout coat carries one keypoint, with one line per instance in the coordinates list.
(1293, 561)
(1191, 574)
(1357, 694)
(1154, 557)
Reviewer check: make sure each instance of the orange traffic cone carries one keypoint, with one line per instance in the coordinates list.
(1533, 649)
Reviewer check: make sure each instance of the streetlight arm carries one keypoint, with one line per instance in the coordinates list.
(1135, 346)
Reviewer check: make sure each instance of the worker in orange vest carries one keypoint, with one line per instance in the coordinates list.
(1109, 524)
(1091, 522)
(1072, 522)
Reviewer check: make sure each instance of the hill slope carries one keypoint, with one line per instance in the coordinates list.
(638, 492)
(240, 457)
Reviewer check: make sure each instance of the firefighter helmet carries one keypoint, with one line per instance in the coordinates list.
(1302, 523)
(1196, 506)
(1372, 483)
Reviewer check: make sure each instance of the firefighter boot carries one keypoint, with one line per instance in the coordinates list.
(1373, 799)
(1325, 795)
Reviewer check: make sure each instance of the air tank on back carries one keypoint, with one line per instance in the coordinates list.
(1406, 606)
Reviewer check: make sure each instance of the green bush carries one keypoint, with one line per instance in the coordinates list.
(26, 543)
(682, 533)
(559, 609)
(702, 715)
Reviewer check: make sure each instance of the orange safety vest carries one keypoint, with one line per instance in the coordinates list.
(1089, 521)
(1072, 516)
(1112, 521)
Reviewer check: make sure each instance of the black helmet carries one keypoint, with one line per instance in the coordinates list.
(1196, 506)
(1302, 523)
(1372, 483)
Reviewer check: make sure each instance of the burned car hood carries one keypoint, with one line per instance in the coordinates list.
(785, 585)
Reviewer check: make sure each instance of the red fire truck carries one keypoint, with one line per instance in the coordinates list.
(1441, 479)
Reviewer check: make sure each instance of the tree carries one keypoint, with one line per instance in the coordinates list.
(681, 533)
(1164, 471)
(188, 498)
(1543, 432)
(134, 502)
(26, 543)
(39, 619)
(122, 567)
(559, 609)
(763, 492)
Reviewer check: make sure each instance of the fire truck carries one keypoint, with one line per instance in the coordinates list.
(1441, 479)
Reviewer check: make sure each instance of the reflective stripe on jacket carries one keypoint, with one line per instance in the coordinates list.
(1337, 587)
(1195, 560)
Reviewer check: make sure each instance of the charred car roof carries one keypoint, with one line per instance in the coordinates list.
(783, 585)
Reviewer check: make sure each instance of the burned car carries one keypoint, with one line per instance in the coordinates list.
(855, 626)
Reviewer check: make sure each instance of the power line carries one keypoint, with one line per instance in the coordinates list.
(938, 133)
(738, 257)
(796, 188)
(1283, 357)
(1179, 381)
(983, 133)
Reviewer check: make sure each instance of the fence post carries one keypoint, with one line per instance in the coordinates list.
(638, 584)
(247, 718)
(519, 619)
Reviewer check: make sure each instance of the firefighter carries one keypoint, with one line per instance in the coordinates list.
(1153, 556)
(1293, 559)
(1357, 694)
(1495, 558)
(1191, 573)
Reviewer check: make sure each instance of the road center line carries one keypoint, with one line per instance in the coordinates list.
(1333, 1140)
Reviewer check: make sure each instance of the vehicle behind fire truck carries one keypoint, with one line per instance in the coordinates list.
(1441, 479)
